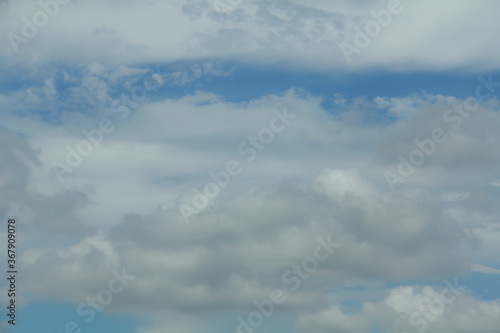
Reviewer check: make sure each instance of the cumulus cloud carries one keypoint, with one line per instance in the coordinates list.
(428, 309)
(141, 103)
(304, 34)
(382, 235)
(237, 250)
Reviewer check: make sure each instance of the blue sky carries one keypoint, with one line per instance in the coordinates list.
(224, 167)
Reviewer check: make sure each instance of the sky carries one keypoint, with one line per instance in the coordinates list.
(241, 166)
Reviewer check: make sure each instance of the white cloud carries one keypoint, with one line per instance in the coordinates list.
(305, 34)
(411, 309)
(485, 269)
(323, 174)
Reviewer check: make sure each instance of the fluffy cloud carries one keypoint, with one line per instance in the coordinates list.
(304, 34)
(411, 309)
(416, 233)
(312, 164)
(237, 250)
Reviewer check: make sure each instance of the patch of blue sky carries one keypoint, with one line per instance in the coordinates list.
(52, 317)
(480, 285)
(351, 299)
(244, 82)
(249, 82)
(277, 322)
(46, 115)
(483, 286)
(237, 82)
